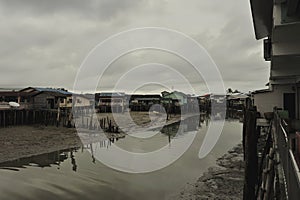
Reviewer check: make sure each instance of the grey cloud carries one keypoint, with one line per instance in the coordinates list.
(43, 42)
(104, 9)
(237, 54)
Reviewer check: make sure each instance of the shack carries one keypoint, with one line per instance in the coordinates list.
(174, 102)
(236, 103)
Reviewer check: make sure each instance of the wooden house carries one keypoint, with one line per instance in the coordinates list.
(174, 102)
(110, 101)
(192, 104)
(22, 98)
(45, 98)
(78, 100)
(138, 102)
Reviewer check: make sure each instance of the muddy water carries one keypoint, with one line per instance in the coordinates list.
(74, 174)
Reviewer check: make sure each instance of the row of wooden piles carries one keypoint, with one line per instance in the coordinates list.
(64, 118)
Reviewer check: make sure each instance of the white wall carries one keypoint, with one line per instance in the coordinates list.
(265, 102)
(82, 101)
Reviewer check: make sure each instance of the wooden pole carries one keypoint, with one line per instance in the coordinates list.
(91, 122)
(69, 119)
(58, 117)
(250, 153)
(4, 118)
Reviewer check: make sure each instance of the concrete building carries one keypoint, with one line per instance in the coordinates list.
(278, 24)
(278, 95)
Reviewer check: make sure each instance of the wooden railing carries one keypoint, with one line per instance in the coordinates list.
(287, 158)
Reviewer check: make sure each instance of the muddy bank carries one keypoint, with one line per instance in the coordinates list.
(225, 181)
(25, 141)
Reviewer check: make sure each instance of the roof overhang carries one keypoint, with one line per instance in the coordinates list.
(262, 91)
(262, 12)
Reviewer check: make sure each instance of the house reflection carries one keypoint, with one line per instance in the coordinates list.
(179, 128)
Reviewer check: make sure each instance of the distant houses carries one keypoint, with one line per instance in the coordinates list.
(175, 102)
(35, 98)
(237, 101)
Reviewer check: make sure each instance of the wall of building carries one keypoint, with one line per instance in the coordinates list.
(298, 102)
(40, 101)
(82, 101)
(265, 102)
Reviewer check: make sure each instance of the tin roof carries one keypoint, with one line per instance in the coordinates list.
(53, 90)
(40, 89)
(112, 94)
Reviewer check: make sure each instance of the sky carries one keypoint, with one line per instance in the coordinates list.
(43, 43)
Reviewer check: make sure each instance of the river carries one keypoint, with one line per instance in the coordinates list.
(74, 174)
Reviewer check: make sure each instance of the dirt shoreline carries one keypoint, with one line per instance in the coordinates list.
(225, 181)
(25, 141)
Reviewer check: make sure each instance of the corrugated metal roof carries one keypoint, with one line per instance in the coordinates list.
(53, 90)
(261, 91)
(237, 96)
(147, 98)
(111, 94)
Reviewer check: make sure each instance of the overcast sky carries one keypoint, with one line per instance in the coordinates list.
(43, 42)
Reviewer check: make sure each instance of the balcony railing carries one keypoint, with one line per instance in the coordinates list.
(287, 157)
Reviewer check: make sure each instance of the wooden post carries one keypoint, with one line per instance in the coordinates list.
(69, 120)
(22, 117)
(58, 117)
(266, 191)
(26, 117)
(33, 117)
(91, 122)
(250, 154)
(82, 120)
(4, 118)
(109, 126)
(15, 117)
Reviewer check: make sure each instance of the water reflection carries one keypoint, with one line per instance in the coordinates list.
(55, 158)
(51, 175)
(43, 160)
